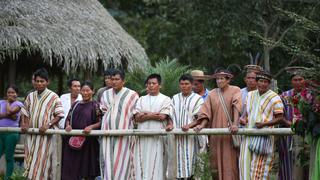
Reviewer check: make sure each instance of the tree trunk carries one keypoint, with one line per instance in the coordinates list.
(266, 58)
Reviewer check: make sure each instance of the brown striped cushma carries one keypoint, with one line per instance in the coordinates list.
(41, 155)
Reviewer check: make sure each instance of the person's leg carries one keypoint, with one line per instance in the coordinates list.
(10, 145)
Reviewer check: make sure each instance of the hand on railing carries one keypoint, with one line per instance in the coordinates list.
(233, 129)
(68, 128)
(87, 130)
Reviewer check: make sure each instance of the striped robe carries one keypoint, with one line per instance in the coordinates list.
(187, 147)
(285, 152)
(261, 109)
(149, 151)
(117, 151)
(40, 151)
(245, 155)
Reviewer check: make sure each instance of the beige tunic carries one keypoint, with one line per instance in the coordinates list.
(223, 156)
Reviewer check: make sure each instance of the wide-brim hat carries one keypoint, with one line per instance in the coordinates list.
(253, 68)
(199, 75)
(222, 73)
(296, 70)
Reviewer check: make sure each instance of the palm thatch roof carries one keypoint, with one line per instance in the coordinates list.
(68, 33)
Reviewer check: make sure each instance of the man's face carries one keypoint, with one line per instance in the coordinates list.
(222, 81)
(185, 86)
(75, 87)
(153, 86)
(41, 83)
(250, 80)
(197, 86)
(107, 81)
(298, 82)
(117, 82)
(263, 85)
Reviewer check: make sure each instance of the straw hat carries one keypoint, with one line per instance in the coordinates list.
(253, 68)
(199, 75)
(296, 70)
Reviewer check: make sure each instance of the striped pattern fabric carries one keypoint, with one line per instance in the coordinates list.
(260, 109)
(149, 151)
(117, 151)
(41, 158)
(187, 147)
(285, 142)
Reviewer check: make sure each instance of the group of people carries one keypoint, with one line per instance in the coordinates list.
(149, 157)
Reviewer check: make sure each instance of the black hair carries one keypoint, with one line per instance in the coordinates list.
(42, 73)
(87, 83)
(154, 76)
(199, 80)
(69, 83)
(293, 75)
(186, 77)
(118, 72)
(14, 87)
(108, 72)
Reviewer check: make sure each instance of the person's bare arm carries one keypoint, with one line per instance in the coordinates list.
(190, 125)
(142, 117)
(24, 123)
(91, 127)
(276, 120)
(203, 123)
(45, 127)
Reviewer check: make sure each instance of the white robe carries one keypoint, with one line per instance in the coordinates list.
(149, 151)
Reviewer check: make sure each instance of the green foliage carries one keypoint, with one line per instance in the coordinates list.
(203, 169)
(170, 71)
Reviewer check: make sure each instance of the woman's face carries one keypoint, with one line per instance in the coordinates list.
(86, 93)
(222, 81)
(11, 95)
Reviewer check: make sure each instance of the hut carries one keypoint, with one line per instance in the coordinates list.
(65, 35)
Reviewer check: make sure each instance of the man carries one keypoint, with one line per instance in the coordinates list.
(251, 85)
(264, 108)
(186, 105)
(291, 146)
(152, 112)
(223, 156)
(42, 109)
(198, 83)
(118, 104)
(69, 98)
(107, 83)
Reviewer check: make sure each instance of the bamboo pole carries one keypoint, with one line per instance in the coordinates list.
(157, 132)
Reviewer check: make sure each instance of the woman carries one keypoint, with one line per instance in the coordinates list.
(9, 117)
(82, 162)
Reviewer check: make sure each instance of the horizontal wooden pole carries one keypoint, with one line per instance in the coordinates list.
(157, 132)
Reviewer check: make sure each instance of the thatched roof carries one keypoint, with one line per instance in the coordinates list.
(71, 33)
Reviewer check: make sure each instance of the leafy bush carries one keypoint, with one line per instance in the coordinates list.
(170, 71)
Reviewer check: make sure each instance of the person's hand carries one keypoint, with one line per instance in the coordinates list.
(185, 128)
(44, 128)
(24, 128)
(87, 130)
(242, 121)
(169, 127)
(198, 128)
(160, 117)
(68, 128)
(234, 129)
(259, 125)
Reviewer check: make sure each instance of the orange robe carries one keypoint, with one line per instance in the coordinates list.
(223, 156)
